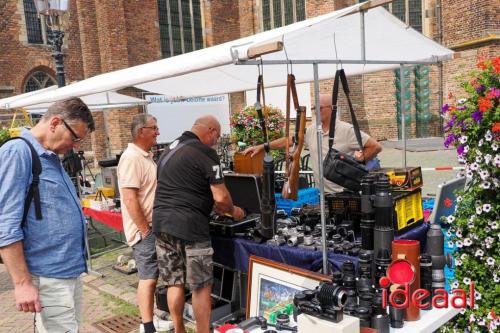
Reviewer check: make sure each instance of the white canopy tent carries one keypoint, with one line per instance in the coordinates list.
(361, 38)
(99, 101)
(215, 70)
(5, 102)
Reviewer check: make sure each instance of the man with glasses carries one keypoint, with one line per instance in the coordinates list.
(344, 141)
(190, 184)
(45, 257)
(137, 182)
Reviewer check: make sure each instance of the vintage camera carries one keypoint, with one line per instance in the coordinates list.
(326, 301)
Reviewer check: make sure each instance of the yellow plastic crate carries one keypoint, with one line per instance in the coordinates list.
(408, 208)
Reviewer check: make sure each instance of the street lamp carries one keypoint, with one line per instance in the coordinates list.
(53, 10)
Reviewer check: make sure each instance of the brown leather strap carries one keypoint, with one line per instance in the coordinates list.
(291, 91)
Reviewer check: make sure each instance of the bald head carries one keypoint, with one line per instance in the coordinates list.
(207, 129)
(325, 104)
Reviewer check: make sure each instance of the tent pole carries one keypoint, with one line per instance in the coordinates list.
(362, 28)
(403, 111)
(319, 136)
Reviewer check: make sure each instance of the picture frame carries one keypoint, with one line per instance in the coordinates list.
(272, 285)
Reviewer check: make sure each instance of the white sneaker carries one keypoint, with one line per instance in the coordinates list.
(160, 325)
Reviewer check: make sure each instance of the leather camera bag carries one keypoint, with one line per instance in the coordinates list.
(340, 168)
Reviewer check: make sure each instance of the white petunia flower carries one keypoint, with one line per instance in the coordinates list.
(449, 233)
(479, 159)
(459, 233)
(477, 295)
(455, 284)
(458, 262)
(494, 146)
(463, 256)
(474, 166)
(485, 185)
(459, 198)
(450, 219)
(469, 174)
(462, 311)
(488, 136)
(479, 253)
(480, 142)
(470, 224)
(484, 174)
(451, 244)
(459, 244)
(462, 101)
(481, 322)
(490, 261)
(479, 210)
(496, 161)
(489, 239)
(460, 159)
(488, 229)
(486, 208)
(473, 235)
(467, 242)
(472, 318)
(487, 158)
(476, 306)
(466, 149)
(494, 225)
(463, 139)
(496, 278)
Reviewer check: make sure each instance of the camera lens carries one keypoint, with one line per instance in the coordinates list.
(330, 295)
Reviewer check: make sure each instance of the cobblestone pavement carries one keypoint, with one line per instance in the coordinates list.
(105, 296)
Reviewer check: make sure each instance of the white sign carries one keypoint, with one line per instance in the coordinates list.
(175, 116)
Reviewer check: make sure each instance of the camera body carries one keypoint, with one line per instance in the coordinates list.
(326, 302)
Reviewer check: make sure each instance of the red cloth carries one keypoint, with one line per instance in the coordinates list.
(111, 219)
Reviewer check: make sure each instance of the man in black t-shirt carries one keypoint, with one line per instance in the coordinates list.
(190, 184)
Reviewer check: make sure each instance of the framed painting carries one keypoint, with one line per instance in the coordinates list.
(272, 285)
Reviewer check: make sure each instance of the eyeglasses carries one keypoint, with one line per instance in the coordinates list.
(154, 128)
(76, 138)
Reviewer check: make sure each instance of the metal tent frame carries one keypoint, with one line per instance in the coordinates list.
(319, 130)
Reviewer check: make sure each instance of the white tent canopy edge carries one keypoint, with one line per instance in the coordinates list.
(213, 69)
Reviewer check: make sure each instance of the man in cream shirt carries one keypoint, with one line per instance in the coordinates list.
(137, 183)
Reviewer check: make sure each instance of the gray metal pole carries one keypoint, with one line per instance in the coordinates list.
(319, 136)
(403, 111)
(362, 28)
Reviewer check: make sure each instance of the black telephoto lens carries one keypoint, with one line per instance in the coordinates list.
(426, 278)
(397, 315)
(365, 263)
(365, 300)
(367, 222)
(382, 261)
(337, 278)
(383, 233)
(435, 248)
(364, 316)
(380, 318)
(348, 268)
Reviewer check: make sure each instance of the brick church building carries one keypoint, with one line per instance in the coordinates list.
(104, 36)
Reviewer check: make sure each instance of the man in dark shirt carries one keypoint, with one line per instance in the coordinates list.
(190, 184)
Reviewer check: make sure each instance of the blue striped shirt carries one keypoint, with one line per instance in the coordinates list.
(54, 246)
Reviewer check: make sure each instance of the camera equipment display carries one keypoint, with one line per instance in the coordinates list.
(426, 278)
(384, 215)
(364, 316)
(326, 302)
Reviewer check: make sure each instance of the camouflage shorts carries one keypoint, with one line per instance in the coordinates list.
(183, 262)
